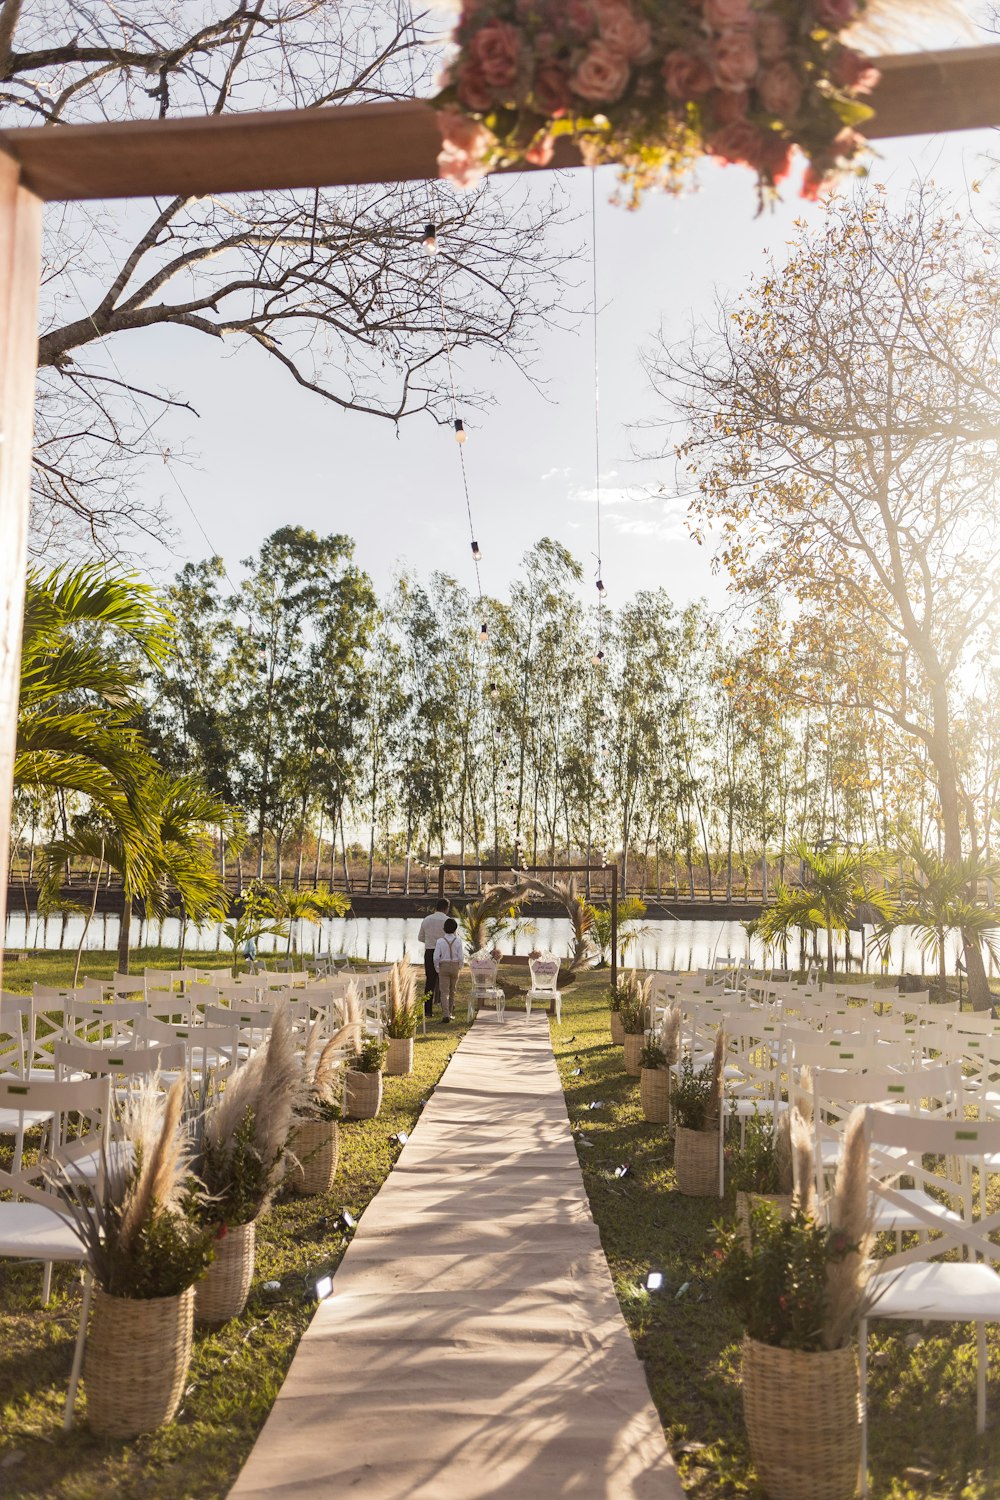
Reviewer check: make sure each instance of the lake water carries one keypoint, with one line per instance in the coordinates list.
(681, 944)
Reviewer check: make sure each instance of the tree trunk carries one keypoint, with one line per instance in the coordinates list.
(125, 934)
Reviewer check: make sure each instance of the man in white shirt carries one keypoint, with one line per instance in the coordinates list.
(431, 928)
(449, 956)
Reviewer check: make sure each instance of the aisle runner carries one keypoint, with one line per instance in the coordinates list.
(473, 1345)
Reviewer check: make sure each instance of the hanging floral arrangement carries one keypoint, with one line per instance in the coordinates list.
(654, 85)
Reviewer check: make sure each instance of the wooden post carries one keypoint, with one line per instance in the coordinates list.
(20, 259)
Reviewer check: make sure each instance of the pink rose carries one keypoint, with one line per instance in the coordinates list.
(780, 90)
(734, 59)
(741, 141)
(466, 144)
(729, 107)
(602, 76)
(540, 152)
(852, 71)
(496, 48)
(623, 30)
(578, 17)
(836, 14)
(473, 90)
(723, 13)
(685, 75)
(551, 91)
(772, 36)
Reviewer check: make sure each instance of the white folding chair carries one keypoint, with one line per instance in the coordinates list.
(485, 990)
(30, 1227)
(544, 985)
(912, 1283)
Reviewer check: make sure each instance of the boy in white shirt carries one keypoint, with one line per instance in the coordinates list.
(449, 956)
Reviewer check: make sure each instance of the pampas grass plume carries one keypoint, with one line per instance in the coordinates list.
(850, 1216)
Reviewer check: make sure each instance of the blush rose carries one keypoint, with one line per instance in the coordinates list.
(602, 75)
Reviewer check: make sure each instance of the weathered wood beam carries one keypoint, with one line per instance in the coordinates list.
(20, 263)
(921, 93)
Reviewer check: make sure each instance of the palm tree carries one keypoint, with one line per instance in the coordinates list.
(87, 636)
(834, 882)
(179, 819)
(309, 906)
(936, 900)
(631, 911)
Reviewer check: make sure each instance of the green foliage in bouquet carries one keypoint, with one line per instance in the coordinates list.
(369, 1057)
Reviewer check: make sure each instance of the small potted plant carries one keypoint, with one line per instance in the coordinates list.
(696, 1105)
(799, 1287)
(314, 1143)
(762, 1169)
(363, 1080)
(242, 1133)
(401, 1019)
(145, 1247)
(633, 1012)
(656, 1061)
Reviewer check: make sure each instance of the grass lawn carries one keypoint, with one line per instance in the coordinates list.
(922, 1433)
(237, 1372)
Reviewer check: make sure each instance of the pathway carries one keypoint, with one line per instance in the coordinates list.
(473, 1345)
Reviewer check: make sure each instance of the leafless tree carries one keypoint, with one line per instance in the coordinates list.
(334, 285)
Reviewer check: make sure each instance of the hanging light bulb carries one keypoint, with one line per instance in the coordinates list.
(597, 658)
(477, 556)
(430, 242)
(600, 587)
(459, 430)
(494, 691)
(483, 632)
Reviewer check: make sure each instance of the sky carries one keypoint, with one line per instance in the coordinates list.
(268, 453)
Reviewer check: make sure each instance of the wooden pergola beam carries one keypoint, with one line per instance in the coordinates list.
(921, 93)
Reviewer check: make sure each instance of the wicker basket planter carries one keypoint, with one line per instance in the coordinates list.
(617, 1029)
(654, 1094)
(136, 1363)
(746, 1201)
(803, 1421)
(315, 1145)
(222, 1293)
(696, 1162)
(362, 1094)
(399, 1058)
(633, 1045)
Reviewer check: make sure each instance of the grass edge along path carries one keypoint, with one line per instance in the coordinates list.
(236, 1372)
(922, 1437)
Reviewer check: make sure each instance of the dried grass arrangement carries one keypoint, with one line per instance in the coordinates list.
(140, 1228)
(654, 1084)
(799, 1285)
(145, 1245)
(670, 1034)
(243, 1130)
(402, 1015)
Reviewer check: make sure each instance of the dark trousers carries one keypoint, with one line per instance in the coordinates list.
(430, 979)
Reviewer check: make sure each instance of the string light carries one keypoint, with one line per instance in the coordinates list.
(460, 433)
(477, 556)
(494, 691)
(599, 654)
(430, 242)
(483, 633)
